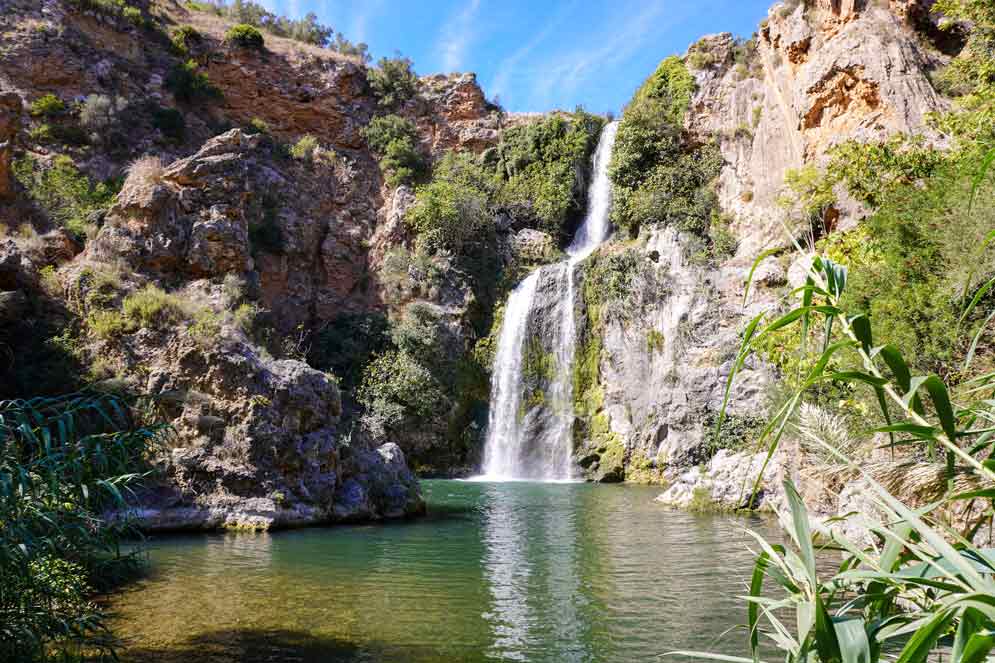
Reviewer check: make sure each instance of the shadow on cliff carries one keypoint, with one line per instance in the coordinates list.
(278, 646)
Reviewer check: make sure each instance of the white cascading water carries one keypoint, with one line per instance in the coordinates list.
(505, 451)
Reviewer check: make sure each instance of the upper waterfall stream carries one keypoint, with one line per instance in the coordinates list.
(513, 449)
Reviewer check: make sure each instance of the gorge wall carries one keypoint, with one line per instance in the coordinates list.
(310, 329)
(820, 74)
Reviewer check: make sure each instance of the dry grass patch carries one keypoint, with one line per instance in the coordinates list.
(146, 169)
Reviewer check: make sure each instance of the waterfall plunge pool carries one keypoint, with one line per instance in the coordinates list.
(510, 571)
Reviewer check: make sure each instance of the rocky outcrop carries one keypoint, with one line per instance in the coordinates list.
(665, 356)
(297, 230)
(467, 122)
(10, 124)
(255, 443)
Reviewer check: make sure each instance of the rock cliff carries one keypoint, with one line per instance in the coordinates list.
(238, 253)
(818, 74)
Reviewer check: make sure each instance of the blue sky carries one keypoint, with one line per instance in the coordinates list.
(536, 55)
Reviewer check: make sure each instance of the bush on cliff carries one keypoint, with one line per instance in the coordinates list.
(395, 139)
(546, 165)
(188, 84)
(65, 194)
(245, 36)
(393, 82)
(453, 210)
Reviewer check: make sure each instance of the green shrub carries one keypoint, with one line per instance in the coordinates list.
(395, 139)
(347, 343)
(47, 106)
(64, 193)
(546, 164)
(674, 85)
(723, 240)
(305, 148)
(189, 84)
(98, 113)
(701, 59)
(245, 36)
(658, 178)
(170, 122)
(259, 125)
(108, 324)
(393, 82)
(184, 38)
(453, 209)
(307, 29)
(395, 387)
(153, 308)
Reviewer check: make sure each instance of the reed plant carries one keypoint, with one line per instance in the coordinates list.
(64, 463)
(916, 588)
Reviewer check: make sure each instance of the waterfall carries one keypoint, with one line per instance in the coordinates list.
(517, 448)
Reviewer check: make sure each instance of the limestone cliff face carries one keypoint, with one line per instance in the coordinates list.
(823, 73)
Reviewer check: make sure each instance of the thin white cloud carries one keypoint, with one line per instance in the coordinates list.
(566, 71)
(512, 64)
(458, 32)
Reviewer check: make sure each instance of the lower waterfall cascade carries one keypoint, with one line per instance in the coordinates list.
(511, 450)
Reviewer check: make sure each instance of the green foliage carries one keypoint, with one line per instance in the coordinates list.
(673, 85)
(393, 82)
(170, 122)
(396, 387)
(608, 281)
(395, 139)
(108, 324)
(971, 75)
(305, 148)
(64, 193)
(125, 9)
(723, 240)
(307, 30)
(259, 125)
(347, 343)
(63, 461)
(737, 433)
(47, 105)
(545, 164)
(453, 209)
(921, 248)
(245, 36)
(908, 597)
(871, 170)
(99, 113)
(806, 198)
(655, 341)
(153, 308)
(185, 38)
(658, 179)
(189, 85)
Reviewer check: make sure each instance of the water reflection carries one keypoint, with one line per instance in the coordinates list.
(497, 572)
(532, 572)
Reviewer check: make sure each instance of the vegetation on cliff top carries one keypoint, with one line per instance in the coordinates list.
(659, 177)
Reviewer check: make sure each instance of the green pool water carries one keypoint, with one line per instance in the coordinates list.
(496, 572)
